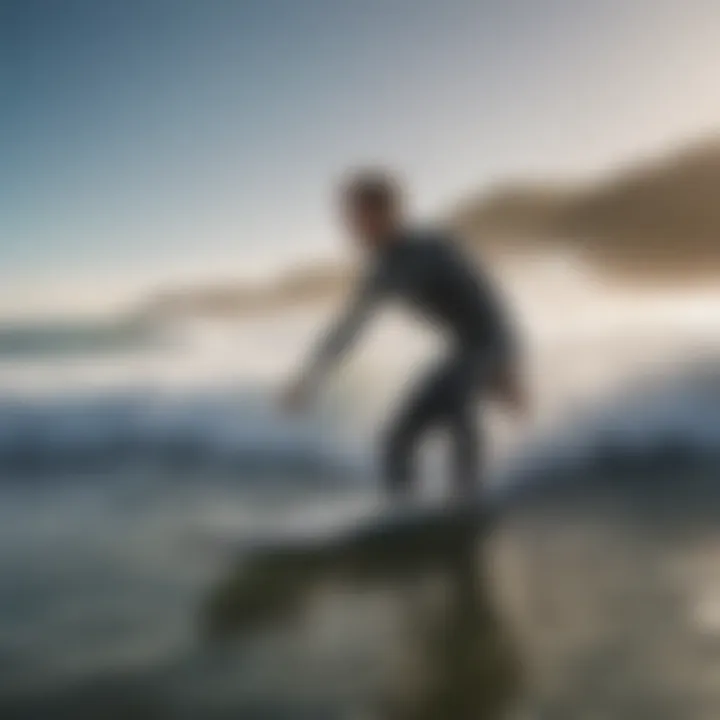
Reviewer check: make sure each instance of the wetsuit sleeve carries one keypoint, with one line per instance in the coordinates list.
(346, 328)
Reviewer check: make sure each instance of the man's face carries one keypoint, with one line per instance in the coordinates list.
(367, 223)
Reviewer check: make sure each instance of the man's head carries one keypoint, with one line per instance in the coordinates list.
(372, 207)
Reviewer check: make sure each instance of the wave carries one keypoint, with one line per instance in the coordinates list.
(239, 429)
(669, 422)
(222, 430)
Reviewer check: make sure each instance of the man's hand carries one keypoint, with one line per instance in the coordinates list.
(296, 396)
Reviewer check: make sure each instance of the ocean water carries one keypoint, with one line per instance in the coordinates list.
(125, 446)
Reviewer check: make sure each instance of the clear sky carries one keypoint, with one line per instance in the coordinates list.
(142, 136)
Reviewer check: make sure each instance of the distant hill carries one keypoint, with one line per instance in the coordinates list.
(513, 215)
(658, 217)
(232, 298)
(656, 220)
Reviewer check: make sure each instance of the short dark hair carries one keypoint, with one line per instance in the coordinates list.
(376, 189)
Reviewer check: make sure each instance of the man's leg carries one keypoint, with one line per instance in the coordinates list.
(467, 381)
(427, 406)
(466, 442)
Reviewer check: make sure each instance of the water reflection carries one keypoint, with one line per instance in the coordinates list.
(458, 658)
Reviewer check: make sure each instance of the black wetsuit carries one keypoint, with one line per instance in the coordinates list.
(427, 271)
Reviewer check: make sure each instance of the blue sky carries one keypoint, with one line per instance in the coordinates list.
(142, 136)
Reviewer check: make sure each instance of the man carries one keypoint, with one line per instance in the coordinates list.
(425, 270)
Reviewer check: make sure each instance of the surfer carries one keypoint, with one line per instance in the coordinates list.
(426, 270)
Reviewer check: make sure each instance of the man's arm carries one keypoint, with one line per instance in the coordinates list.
(338, 339)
